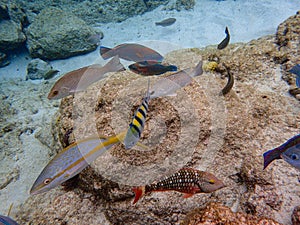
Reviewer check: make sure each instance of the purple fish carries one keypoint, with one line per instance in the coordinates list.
(5, 220)
(292, 156)
(296, 70)
(278, 152)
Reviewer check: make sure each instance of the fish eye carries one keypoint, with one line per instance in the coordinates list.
(47, 181)
(55, 92)
(211, 181)
(294, 156)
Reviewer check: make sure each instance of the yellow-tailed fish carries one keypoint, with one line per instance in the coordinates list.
(80, 79)
(136, 127)
(72, 160)
(169, 85)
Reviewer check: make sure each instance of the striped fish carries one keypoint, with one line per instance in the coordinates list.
(5, 220)
(72, 160)
(136, 127)
(187, 180)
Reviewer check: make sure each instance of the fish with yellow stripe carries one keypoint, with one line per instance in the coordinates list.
(136, 127)
(72, 160)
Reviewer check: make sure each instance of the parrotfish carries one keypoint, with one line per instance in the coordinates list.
(296, 70)
(225, 41)
(169, 85)
(279, 151)
(5, 220)
(72, 160)
(229, 84)
(148, 68)
(187, 180)
(136, 127)
(166, 22)
(131, 52)
(292, 156)
(80, 79)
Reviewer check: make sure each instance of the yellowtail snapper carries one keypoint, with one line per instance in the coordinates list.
(289, 151)
(187, 180)
(71, 161)
(136, 127)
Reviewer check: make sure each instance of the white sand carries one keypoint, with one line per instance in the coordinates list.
(202, 26)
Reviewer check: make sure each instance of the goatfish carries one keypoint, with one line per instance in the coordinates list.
(80, 79)
(225, 41)
(166, 22)
(229, 84)
(288, 151)
(131, 52)
(187, 180)
(296, 70)
(136, 127)
(72, 160)
(167, 86)
(149, 68)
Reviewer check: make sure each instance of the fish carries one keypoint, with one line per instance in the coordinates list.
(5, 220)
(149, 68)
(136, 127)
(229, 84)
(131, 52)
(187, 180)
(72, 160)
(166, 22)
(296, 70)
(225, 41)
(95, 38)
(78, 80)
(168, 85)
(292, 156)
(277, 153)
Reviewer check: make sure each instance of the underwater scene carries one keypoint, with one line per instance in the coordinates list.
(183, 112)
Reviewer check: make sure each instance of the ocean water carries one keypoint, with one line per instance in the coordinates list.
(199, 27)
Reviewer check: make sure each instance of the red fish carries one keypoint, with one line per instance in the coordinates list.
(131, 52)
(148, 68)
(187, 180)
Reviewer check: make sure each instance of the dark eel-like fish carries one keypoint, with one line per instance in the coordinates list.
(229, 84)
(225, 41)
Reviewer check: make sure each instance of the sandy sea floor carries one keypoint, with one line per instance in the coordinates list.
(23, 152)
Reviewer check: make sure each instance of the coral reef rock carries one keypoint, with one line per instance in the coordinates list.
(218, 214)
(198, 128)
(39, 69)
(296, 216)
(3, 60)
(58, 34)
(11, 35)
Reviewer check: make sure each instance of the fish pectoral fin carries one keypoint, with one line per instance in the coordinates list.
(145, 147)
(187, 195)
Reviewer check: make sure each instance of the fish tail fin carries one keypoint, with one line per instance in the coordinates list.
(270, 156)
(104, 52)
(226, 31)
(139, 192)
(198, 69)
(115, 65)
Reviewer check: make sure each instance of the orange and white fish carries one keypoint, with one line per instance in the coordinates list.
(187, 180)
(80, 79)
(131, 52)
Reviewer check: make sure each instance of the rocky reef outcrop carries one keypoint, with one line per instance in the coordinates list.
(225, 135)
(58, 34)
